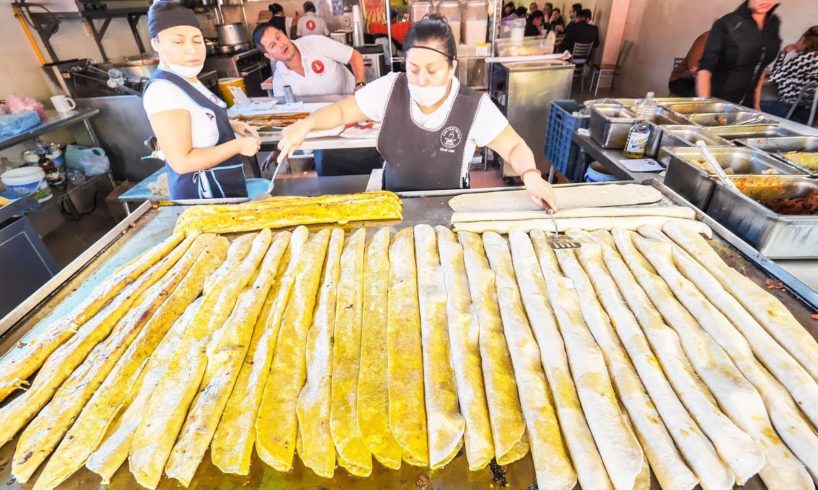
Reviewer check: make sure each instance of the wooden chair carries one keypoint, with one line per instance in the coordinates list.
(580, 56)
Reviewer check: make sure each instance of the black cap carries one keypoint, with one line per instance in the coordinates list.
(164, 14)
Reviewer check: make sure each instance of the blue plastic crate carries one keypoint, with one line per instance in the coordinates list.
(561, 126)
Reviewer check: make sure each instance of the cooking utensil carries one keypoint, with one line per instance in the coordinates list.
(232, 34)
(272, 184)
(557, 241)
(711, 160)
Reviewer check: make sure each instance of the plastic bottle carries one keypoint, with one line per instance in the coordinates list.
(640, 132)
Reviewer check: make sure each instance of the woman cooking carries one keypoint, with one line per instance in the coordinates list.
(430, 124)
(201, 151)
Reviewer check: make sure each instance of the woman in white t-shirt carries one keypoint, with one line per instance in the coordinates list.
(430, 124)
(201, 151)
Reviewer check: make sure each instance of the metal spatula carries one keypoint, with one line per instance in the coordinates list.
(557, 241)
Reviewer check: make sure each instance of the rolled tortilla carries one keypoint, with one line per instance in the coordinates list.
(373, 393)
(464, 334)
(609, 212)
(667, 463)
(315, 446)
(736, 447)
(505, 414)
(618, 446)
(578, 438)
(586, 224)
(763, 306)
(551, 463)
(568, 197)
(444, 421)
(407, 409)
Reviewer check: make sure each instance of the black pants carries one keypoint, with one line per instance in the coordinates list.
(355, 161)
(683, 87)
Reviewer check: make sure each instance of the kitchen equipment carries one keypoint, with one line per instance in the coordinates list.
(676, 136)
(690, 107)
(419, 9)
(557, 241)
(729, 119)
(224, 88)
(475, 22)
(251, 65)
(777, 147)
(775, 235)
(451, 10)
(714, 165)
(211, 46)
(357, 26)
(374, 61)
(63, 104)
(610, 124)
(755, 131)
(693, 182)
(232, 34)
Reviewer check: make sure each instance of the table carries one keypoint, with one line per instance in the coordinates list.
(317, 186)
(610, 159)
(53, 123)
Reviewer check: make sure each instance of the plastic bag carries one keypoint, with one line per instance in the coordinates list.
(16, 104)
(91, 161)
(14, 124)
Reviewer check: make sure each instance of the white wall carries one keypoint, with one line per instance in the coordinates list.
(664, 29)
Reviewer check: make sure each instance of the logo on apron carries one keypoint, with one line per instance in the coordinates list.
(317, 67)
(451, 137)
(311, 25)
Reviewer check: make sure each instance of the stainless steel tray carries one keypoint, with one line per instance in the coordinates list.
(680, 136)
(750, 131)
(610, 124)
(777, 146)
(697, 185)
(694, 107)
(775, 235)
(737, 118)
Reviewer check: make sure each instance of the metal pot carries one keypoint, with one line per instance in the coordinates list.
(212, 46)
(232, 34)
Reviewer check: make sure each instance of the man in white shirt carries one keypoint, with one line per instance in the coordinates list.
(311, 24)
(312, 65)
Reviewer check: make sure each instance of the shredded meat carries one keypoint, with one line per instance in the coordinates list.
(804, 205)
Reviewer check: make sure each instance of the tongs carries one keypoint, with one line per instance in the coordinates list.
(711, 160)
(557, 241)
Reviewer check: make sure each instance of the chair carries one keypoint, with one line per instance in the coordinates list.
(804, 95)
(580, 56)
(608, 71)
(677, 62)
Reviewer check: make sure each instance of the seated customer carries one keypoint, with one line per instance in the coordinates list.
(580, 31)
(683, 78)
(795, 67)
(555, 22)
(534, 25)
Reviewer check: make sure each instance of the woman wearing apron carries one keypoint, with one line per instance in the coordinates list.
(430, 124)
(203, 156)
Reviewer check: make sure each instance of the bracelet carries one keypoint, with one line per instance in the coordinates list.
(522, 175)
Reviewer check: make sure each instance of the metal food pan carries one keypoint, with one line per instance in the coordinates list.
(777, 236)
(610, 124)
(778, 146)
(696, 185)
(678, 136)
(718, 119)
(696, 107)
(750, 131)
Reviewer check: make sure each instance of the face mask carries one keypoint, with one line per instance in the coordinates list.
(186, 71)
(428, 96)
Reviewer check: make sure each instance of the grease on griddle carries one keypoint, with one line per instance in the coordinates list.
(498, 474)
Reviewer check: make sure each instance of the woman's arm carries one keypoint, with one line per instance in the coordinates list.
(759, 88)
(341, 113)
(509, 145)
(173, 133)
(703, 86)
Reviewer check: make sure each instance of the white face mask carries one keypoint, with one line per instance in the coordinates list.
(427, 96)
(186, 71)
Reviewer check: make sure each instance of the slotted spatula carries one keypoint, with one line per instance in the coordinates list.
(557, 241)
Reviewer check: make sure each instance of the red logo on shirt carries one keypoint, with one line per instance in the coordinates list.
(311, 25)
(317, 67)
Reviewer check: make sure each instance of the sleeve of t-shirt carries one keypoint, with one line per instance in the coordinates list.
(489, 122)
(163, 95)
(372, 97)
(331, 49)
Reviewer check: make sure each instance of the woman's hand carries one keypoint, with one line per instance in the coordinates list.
(540, 191)
(292, 137)
(248, 145)
(244, 129)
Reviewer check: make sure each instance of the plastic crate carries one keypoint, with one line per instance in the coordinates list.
(561, 126)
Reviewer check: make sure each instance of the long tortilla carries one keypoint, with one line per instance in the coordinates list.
(618, 446)
(465, 351)
(667, 463)
(373, 393)
(569, 197)
(407, 410)
(225, 356)
(239, 248)
(313, 408)
(353, 453)
(232, 445)
(117, 389)
(586, 224)
(584, 453)
(505, 414)
(782, 411)
(736, 447)
(551, 463)
(764, 307)
(277, 424)
(609, 212)
(445, 423)
(65, 359)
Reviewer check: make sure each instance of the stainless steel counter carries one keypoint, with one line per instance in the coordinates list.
(610, 159)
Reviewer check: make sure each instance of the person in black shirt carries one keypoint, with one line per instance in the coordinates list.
(740, 45)
(534, 23)
(555, 22)
(580, 31)
(576, 9)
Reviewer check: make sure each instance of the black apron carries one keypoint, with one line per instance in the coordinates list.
(418, 159)
(225, 179)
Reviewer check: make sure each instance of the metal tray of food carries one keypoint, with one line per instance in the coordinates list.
(680, 136)
(799, 151)
(696, 107)
(687, 172)
(750, 131)
(778, 215)
(738, 118)
(659, 100)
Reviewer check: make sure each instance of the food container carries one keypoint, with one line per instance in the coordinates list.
(717, 119)
(451, 10)
(679, 136)
(698, 107)
(750, 131)
(475, 22)
(418, 10)
(748, 215)
(778, 147)
(610, 124)
(25, 181)
(696, 185)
